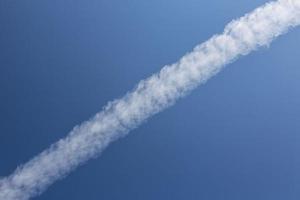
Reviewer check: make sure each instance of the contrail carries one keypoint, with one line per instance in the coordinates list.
(150, 96)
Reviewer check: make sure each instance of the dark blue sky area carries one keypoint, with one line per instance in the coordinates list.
(235, 138)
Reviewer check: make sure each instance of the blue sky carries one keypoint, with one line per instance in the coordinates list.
(237, 137)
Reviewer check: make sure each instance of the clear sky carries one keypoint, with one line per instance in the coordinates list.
(235, 138)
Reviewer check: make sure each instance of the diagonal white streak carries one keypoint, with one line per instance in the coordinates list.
(151, 96)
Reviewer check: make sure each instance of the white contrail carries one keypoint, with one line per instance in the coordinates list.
(151, 96)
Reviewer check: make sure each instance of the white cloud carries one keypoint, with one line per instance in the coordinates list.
(151, 96)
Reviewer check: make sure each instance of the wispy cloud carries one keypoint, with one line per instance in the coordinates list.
(151, 96)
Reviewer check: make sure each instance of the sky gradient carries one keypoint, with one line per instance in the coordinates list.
(234, 138)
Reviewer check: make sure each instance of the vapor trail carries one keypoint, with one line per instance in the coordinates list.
(150, 96)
